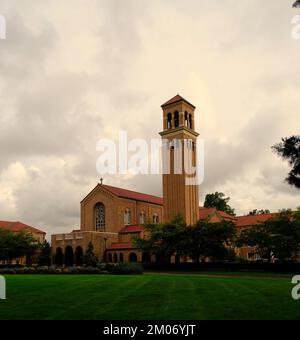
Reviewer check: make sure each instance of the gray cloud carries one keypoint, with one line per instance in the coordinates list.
(73, 73)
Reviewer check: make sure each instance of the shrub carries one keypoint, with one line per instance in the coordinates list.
(7, 271)
(129, 268)
(88, 270)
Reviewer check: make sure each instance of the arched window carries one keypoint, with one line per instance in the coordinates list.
(155, 219)
(59, 257)
(121, 258)
(127, 217)
(78, 256)
(69, 256)
(115, 258)
(142, 217)
(190, 121)
(186, 119)
(176, 119)
(133, 257)
(169, 120)
(100, 217)
(110, 258)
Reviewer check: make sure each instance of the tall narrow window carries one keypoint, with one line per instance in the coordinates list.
(190, 122)
(186, 119)
(155, 219)
(100, 217)
(142, 217)
(169, 120)
(176, 119)
(127, 217)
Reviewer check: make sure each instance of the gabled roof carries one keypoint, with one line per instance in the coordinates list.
(251, 220)
(175, 100)
(124, 193)
(131, 229)
(19, 226)
(205, 213)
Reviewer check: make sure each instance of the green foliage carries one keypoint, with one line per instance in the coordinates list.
(289, 149)
(89, 258)
(259, 212)
(218, 201)
(277, 238)
(129, 268)
(210, 240)
(175, 238)
(164, 240)
(16, 245)
(44, 258)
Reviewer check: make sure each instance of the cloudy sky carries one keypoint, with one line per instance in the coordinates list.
(74, 71)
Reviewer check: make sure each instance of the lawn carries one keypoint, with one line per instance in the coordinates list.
(148, 297)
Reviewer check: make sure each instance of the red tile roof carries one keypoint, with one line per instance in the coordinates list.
(177, 99)
(137, 196)
(209, 212)
(251, 220)
(19, 226)
(121, 245)
(131, 229)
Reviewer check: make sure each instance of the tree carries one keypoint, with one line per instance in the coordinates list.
(44, 258)
(218, 201)
(176, 238)
(277, 238)
(289, 149)
(16, 245)
(259, 212)
(89, 258)
(210, 240)
(164, 240)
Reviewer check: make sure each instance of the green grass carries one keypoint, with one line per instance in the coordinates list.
(148, 297)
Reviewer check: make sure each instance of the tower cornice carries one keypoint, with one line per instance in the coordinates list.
(174, 132)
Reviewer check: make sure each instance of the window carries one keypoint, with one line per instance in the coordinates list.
(169, 120)
(176, 119)
(100, 217)
(190, 121)
(142, 217)
(155, 219)
(127, 217)
(186, 119)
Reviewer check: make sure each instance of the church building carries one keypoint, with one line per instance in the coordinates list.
(111, 216)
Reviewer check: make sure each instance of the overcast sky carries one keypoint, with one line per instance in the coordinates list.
(74, 71)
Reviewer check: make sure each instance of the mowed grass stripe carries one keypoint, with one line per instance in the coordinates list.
(147, 297)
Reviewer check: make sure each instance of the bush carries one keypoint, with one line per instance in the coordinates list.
(127, 269)
(7, 271)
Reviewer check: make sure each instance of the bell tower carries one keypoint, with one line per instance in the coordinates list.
(180, 188)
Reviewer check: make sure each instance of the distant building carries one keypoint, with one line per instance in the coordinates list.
(17, 227)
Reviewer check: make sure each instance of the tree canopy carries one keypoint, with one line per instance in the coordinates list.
(16, 245)
(177, 239)
(218, 201)
(259, 212)
(289, 149)
(276, 238)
